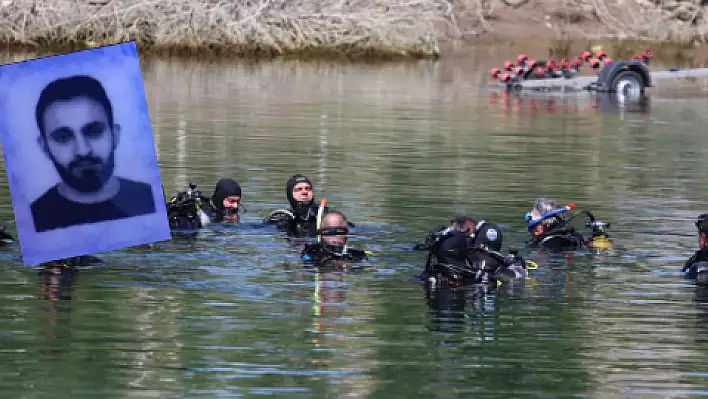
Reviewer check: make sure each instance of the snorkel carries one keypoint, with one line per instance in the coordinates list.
(320, 214)
(598, 239)
(533, 223)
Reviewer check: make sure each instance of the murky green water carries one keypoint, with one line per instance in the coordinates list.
(399, 149)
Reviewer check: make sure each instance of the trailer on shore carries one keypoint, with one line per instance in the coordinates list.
(628, 80)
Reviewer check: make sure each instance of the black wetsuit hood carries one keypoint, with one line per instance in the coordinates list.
(224, 188)
(300, 208)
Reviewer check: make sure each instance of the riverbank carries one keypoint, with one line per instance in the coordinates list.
(350, 29)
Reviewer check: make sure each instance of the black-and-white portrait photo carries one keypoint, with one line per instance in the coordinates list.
(79, 135)
(80, 155)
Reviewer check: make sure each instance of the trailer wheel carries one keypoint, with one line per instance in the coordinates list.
(628, 86)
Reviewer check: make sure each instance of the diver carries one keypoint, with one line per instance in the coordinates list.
(190, 210)
(224, 204)
(696, 267)
(459, 227)
(551, 229)
(66, 263)
(74, 261)
(300, 220)
(5, 237)
(468, 252)
(333, 242)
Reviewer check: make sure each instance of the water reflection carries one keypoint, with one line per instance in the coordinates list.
(498, 333)
(450, 306)
(701, 301)
(398, 148)
(56, 284)
(530, 105)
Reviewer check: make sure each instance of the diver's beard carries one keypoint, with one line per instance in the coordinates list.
(91, 179)
(231, 217)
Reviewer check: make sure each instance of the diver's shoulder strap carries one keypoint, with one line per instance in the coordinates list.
(280, 214)
(311, 247)
(698, 256)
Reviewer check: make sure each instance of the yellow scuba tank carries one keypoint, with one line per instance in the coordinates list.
(601, 242)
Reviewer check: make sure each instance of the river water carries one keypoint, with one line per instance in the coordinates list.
(400, 149)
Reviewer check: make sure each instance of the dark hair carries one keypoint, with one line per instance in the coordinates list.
(459, 221)
(63, 89)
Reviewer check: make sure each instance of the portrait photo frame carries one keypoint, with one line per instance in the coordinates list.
(80, 155)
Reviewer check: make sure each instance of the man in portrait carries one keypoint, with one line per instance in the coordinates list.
(78, 134)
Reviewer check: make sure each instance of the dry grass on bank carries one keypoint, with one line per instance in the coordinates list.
(678, 21)
(675, 21)
(349, 28)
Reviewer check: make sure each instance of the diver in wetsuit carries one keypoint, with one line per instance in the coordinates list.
(300, 220)
(551, 229)
(72, 262)
(467, 252)
(82, 260)
(224, 204)
(5, 237)
(333, 244)
(190, 210)
(696, 267)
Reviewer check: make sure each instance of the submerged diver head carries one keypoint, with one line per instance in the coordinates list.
(541, 207)
(227, 197)
(465, 224)
(300, 194)
(334, 228)
(702, 225)
(482, 232)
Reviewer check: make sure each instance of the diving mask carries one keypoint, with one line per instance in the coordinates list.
(530, 216)
(533, 222)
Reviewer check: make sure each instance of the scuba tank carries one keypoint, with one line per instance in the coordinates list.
(183, 209)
